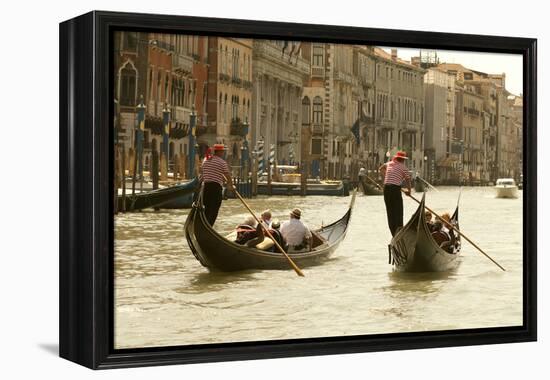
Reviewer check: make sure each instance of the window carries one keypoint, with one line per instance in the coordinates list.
(166, 86)
(317, 110)
(159, 85)
(128, 86)
(306, 110)
(318, 55)
(129, 41)
(316, 146)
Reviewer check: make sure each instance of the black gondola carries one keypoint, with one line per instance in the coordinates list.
(157, 198)
(368, 188)
(215, 252)
(413, 249)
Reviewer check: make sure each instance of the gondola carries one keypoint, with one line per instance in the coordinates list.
(217, 253)
(413, 248)
(158, 198)
(368, 188)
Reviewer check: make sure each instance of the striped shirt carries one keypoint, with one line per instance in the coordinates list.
(213, 170)
(396, 173)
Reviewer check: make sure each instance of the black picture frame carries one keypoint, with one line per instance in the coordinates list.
(86, 175)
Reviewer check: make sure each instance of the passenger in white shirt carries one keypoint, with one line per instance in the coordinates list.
(296, 234)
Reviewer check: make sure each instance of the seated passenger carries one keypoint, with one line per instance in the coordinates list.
(266, 218)
(249, 233)
(429, 223)
(276, 233)
(448, 227)
(295, 232)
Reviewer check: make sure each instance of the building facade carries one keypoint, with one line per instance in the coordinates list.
(229, 95)
(279, 75)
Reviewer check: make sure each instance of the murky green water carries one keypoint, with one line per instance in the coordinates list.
(164, 297)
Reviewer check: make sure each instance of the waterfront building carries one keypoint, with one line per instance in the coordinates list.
(130, 76)
(229, 96)
(279, 73)
(440, 159)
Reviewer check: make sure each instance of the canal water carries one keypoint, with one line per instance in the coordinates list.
(164, 297)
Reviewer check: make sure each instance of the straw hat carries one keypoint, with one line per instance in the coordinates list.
(218, 147)
(297, 213)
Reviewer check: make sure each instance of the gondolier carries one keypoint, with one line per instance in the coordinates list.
(395, 173)
(214, 172)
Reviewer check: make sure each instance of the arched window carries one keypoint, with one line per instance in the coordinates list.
(128, 86)
(317, 110)
(306, 110)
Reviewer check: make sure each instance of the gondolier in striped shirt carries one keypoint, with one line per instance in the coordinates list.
(395, 173)
(214, 172)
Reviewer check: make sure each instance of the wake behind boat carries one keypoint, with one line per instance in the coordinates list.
(413, 249)
(215, 252)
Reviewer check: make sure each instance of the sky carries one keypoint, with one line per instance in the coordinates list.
(491, 63)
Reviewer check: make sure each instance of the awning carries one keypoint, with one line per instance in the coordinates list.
(446, 162)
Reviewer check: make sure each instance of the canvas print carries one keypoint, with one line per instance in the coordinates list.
(277, 189)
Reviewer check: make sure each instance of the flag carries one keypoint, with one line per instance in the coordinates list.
(355, 130)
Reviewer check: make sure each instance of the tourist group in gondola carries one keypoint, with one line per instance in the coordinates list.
(428, 242)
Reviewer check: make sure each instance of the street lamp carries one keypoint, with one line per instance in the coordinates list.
(166, 133)
(192, 123)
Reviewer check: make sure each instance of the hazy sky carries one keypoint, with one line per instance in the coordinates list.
(491, 63)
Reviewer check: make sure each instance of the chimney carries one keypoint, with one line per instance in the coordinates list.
(394, 54)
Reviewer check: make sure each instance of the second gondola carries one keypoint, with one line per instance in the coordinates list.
(413, 248)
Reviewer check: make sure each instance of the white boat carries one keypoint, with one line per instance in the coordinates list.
(506, 188)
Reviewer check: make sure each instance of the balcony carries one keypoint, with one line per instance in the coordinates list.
(318, 72)
(271, 51)
(344, 77)
(203, 129)
(317, 129)
(182, 64)
(224, 77)
(238, 128)
(236, 81)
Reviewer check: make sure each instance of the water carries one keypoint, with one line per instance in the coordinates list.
(164, 297)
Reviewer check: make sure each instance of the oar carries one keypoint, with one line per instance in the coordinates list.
(294, 266)
(449, 225)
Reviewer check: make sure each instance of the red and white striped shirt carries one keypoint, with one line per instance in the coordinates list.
(396, 173)
(213, 170)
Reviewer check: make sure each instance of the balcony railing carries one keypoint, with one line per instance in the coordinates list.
(317, 128)
(274, 52)
(224, 77)
(318, 72)
(182, 63)
(236, 81)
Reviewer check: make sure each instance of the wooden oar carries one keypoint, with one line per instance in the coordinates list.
(294, 266)
(448, 224)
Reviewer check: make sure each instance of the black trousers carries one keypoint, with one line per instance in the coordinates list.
(212, 200)
(394, 207)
